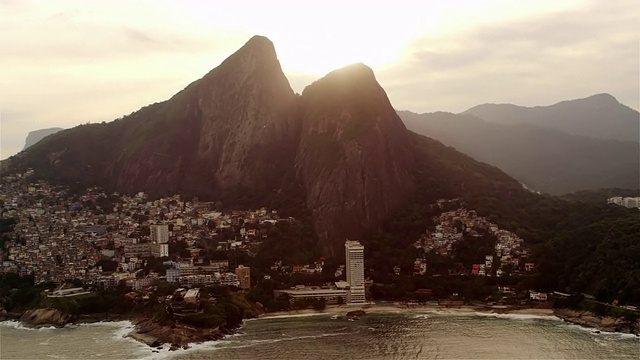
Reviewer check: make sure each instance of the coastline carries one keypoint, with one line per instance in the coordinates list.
(145, 330)
(584, 319)
(177, 336)
(400, 308)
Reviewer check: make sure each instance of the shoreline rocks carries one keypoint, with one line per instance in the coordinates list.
(94, 318)
(148, 331)
(45, 317)
(146, 339)
(154, 334)
(589, 319)
(356, 313)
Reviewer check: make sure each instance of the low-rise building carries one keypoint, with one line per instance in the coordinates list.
(331, 296)
(539, 296)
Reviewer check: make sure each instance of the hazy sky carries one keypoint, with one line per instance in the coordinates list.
(65, 63)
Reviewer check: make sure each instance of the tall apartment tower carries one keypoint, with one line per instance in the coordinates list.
(159, 233)
(354, 253)
(244, 277)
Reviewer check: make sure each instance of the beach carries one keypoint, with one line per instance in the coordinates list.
(418, 308)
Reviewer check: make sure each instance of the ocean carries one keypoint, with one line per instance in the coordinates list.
(399, 335)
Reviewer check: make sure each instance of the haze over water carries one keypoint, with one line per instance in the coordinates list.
(383, 336)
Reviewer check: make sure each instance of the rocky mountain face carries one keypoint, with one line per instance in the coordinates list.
(354, 157)
(37, 135)
(249, 125)
(599, 116)
(234, 128)
(240, 132)
(543, 159)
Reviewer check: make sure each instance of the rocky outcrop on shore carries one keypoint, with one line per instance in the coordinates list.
(606, 323)
(147, 331)
(45, 317)
(355, 313)
(97, 317)
(154, 334)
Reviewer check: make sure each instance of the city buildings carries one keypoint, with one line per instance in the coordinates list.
(628, 202)
(354, 254)
(159, 233)
(159, 250)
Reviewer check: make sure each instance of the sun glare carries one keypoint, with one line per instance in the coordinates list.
(332, 53)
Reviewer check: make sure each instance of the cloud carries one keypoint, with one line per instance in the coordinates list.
(71, 61)
(138, 36)
(537, 61)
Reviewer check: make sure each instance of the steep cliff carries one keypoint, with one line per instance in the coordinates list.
(34, 136)
(354, 158)
(233, 129)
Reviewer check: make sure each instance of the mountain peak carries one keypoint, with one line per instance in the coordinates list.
(599, 116)
(603, 98)
(354, 150)
(256, 54)
(352, 76)
(353, 70)
(259, 43)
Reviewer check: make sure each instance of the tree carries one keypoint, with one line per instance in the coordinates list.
(319, 304)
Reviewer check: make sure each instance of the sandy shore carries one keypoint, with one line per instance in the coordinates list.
(585, 319)
(401, 308)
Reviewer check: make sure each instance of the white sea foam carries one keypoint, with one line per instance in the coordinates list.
(120, 323)
(519, 316)
(18, 325)
(599, 332)
(421, 316)
(123, 328)
(291, 316)
(166, 353)
(287, 337)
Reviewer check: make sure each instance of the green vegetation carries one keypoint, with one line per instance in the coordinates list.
(599, 196)
(281, 239)
(546, 160)
(218, 305)
(578, 246)
(7, 224)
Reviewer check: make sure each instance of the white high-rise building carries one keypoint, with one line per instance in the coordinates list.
(159, 233)
(354, 253)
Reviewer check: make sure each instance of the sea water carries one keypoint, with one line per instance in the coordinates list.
(400, 335)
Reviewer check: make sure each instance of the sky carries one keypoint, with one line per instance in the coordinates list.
(66, 63)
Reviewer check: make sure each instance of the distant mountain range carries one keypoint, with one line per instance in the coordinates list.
(37, 135)
(599, 117)
(339, 157)
(545, 147)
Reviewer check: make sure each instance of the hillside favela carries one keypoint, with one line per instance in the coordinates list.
(255, 214)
